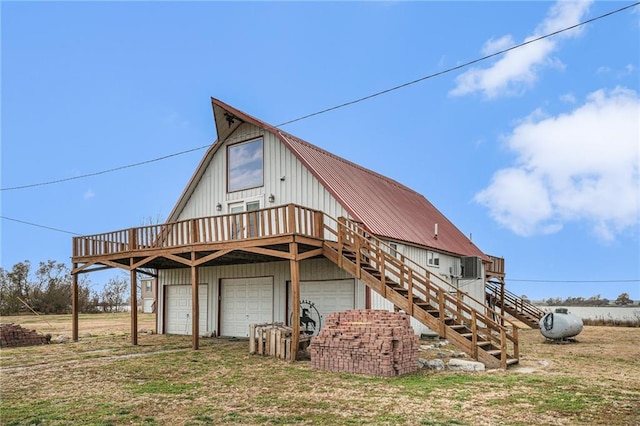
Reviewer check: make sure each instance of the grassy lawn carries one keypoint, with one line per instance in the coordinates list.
(104, 380)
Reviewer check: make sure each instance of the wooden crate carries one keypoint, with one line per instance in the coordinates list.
(270, 339)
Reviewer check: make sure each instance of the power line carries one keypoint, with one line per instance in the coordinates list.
(448, 70)
(576, 281)
(39, 226)
(104, 171)
(355, 101)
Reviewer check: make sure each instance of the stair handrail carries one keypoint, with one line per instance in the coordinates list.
(489, 320)
(429, 274)
(519, 304)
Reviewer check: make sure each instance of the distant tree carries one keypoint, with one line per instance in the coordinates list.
(597, 300)
(51, 290)
(14, 285)
(48, 291)
(554, 301)
(114, 294)
(623, 299)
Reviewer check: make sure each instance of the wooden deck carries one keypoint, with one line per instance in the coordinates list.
(295, 233)
(247, 237)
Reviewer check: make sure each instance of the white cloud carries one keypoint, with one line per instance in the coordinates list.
(496, 45)
(582, 166)
(568, 98)
(518, 69)
(629, 69)
(88, 194)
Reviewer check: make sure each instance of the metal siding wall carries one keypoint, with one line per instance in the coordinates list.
(310, 270)
(299, 185)
(324, 269)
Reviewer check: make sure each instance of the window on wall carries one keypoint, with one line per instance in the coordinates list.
(244, 165)
(433, 258)
(148, 287)
(394, 250)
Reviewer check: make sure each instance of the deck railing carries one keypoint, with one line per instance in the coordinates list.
(517, 303)
(270, 222)
(496, 267)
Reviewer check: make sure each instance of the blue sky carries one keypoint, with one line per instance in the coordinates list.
(535, 153)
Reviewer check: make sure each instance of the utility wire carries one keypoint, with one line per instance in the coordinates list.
(104, 171)
(466, 64)
(39, 226)
(576, 281)
(355, 101)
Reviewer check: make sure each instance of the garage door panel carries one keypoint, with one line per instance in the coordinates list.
(245, 301)
(327, 297)
(178, 314)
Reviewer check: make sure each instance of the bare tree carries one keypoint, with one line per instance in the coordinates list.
(47, 291)
(114, 295)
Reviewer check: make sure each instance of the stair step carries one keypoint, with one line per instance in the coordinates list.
(511, 361)
(457, 327)
(483, 343)
(494, 352)
(467, 335)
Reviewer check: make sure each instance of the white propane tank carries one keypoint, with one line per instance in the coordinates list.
(560, 324)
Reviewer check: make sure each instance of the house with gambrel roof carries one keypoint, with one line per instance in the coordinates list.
(271, 228)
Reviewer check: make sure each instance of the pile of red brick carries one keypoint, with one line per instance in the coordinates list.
(12, 335)
(369, 342)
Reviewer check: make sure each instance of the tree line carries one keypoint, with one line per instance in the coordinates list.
(622, 300)
(47, 289)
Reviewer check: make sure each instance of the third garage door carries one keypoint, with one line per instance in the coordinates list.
(321, 298)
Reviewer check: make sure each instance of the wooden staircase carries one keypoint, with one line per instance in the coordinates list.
(515, 306)
(482, 333)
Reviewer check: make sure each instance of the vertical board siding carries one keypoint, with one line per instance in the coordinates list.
(299, 185)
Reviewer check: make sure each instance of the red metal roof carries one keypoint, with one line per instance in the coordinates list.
(386, 208)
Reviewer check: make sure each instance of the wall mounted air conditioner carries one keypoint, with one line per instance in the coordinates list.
(471, 268)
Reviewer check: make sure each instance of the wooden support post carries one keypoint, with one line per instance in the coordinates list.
(441, 313)
(410, 295)
(295, 295)
(155, 303)
(474, 334)
(502, 303)
(74, 305)
(134, 306)
(195, 311)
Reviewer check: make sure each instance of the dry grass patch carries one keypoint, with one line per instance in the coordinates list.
(103, 380)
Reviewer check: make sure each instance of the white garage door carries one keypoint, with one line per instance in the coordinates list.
(322, 298)
(244, 301)
(178, 314)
